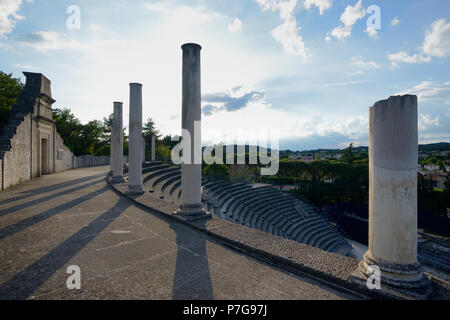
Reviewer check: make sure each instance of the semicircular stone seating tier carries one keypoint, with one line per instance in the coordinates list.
(262, 207)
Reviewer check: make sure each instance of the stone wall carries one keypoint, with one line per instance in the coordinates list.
(65, 159)
(30, 146)
(92, 161)
(16, 162)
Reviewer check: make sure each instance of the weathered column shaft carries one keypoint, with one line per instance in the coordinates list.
(111, 152)
(393, 148)
(117, 143)
(135, 141)
(191, 204)
(143, 150)
(153, 148)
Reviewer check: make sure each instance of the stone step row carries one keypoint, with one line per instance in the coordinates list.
(247, 208)
(427, 258)
(263, 208)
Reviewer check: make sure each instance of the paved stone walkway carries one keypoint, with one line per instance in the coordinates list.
(124, 252)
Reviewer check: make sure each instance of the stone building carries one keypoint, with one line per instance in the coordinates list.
(30, 146)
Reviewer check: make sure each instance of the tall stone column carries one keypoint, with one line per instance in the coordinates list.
(153, 148)
(135, 141)
(143, 150)
(191, 203)
(393, 152)
(111, 152)
(117, 144)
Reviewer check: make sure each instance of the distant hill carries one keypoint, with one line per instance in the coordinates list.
(441, 146)
(336, 151)
(247, 148)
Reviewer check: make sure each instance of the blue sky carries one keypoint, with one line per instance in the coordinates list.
(307, 68)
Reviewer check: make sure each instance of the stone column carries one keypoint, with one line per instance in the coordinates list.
(153, 148)
(135, 141)
(191, 202)
(393, 148)
(143, 150)
(117, 144)
(111, 151)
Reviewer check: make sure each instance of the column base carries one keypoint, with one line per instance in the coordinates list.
(135, 190)
(192, 212)
(117, 179)
(406, 280)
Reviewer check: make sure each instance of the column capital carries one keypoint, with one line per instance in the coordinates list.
(191, 45)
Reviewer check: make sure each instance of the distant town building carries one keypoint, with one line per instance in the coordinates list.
(431, 167)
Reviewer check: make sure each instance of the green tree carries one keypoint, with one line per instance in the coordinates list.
(148, 131)
(348, 154)
(447, 190)
(167, 141)
(108, 123)
(447, 184)
(88, 139)
(69, 127)
(216, 171)
(163, 153)
(9, 92)
(93, 134)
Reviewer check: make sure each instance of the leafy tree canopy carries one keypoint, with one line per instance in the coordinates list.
(82, 139)
(9, 92)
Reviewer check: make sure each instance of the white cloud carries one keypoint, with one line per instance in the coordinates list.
(95, 28)
(366, 65)
(433, 137)
(268, 4)
(288, 33)
(342, 84)
(341, 32)
(373, 33)
(290, 126)
(23, 66)
(9, 15)
(357, 73)
(435, 44)
(45, 41)
(430, 91)
(187, 15)
(403, 56)
(235, 26)
(353, 13)
(323, 5)
(117, 58)
(437, 40)
(231, 100)
(4, 45)
(426, 120)
(157, 6)
(395, 21)
(349, 17)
